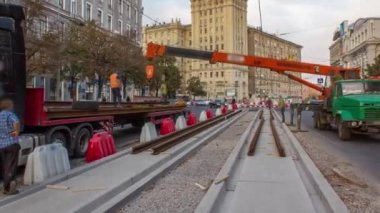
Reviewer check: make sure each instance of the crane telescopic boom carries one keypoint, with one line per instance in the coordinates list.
(279, 66)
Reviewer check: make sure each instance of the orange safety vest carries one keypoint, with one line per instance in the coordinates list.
(115, 82)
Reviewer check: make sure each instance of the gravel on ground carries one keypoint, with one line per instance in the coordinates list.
(180, 190)
(359, 194)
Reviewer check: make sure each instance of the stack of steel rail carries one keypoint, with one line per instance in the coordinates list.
(55, 111)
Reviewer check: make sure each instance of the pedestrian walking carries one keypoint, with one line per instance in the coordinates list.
(281, 105)
(9, 146)
(116, 88)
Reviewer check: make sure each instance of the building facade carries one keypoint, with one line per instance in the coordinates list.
(263, 82)
(356, 44)
(173, 34)
(216, 25)
(117, 16)
(222, 25)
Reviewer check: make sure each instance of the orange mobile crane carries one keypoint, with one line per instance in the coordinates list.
(351, 103)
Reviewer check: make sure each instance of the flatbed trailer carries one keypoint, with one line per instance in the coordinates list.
(66, 123)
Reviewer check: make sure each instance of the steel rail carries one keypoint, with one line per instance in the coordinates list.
(255, 139)
(276, 137)
(70, 113)
(164, 143)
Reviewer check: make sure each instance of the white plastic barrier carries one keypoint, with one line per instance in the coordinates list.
(45, 162)
(180, 123)
(203, 116)
(229, 107)
(218, 112)
(148, 132)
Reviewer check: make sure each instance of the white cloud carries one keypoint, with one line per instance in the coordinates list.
(312, 21)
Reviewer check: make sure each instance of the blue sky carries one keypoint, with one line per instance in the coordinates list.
(312, 21)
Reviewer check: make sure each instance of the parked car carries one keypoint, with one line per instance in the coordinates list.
(200, 103)
(215, 104)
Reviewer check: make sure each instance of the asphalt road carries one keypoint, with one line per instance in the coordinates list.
(363, 151)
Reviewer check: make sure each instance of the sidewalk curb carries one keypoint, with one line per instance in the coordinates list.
(213, 195)
(325, 192)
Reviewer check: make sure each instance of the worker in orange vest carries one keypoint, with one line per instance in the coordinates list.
(116, 88)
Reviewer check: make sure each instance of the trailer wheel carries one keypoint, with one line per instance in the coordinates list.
(58, 137)
(81, 142)
(343, 132)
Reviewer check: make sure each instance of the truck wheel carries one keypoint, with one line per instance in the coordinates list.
(343, 131)
(59, 137)
(81, 142)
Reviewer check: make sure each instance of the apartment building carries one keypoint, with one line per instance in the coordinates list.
(356, 44)
(263, 82)
(117, 16)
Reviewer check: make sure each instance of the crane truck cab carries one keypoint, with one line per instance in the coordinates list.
(355, 108)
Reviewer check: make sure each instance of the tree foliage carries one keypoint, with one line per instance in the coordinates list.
(374, 69)
(79, 51)
(43, 46)
(165, 72)
(195, 87)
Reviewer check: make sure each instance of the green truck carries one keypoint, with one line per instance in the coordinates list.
(353, 106)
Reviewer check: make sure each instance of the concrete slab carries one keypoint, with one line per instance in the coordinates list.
(124, 170)
(270, 184)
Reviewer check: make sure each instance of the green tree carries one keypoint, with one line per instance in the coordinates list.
(129, 60)
(43, 46)
(374, 69)
(195, 87)
(165, 72)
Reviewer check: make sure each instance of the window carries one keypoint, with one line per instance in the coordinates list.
(128, 29)
(120, 26)
(100, 16)
(210, 74)
(110, 4)
(137, 16)
(222, 74)
(217, 74)
(43, 26)
(73, 7)
(205, 74)
(60, 3)
(121, 7)
(88, 11)
(129, 11)
(109, 22)
(222, 46)
(211, 47)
